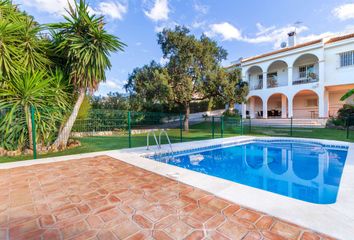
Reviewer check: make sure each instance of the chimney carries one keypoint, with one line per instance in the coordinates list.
(291, 39)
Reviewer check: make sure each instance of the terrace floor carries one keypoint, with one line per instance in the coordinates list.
(104, 198)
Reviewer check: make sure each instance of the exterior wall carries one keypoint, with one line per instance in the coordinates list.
(301, 109)
(326, 62)
(336, 75)
(335, 103)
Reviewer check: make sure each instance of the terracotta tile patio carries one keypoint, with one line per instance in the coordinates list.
(103, 198)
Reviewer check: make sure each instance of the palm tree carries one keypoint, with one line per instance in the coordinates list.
(347, 95)
(86, 46)
(21, 48)
(46, 93)
(22, 53)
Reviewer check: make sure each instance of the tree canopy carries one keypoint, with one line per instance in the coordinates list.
(193, 72)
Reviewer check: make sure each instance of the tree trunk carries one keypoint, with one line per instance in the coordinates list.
(29, 126)
(186, 117)
(231, 106)
(210, 104)
(63, 136)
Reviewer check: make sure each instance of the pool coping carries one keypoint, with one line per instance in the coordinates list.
(336, 219)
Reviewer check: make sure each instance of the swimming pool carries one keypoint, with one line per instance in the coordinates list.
(307, 171)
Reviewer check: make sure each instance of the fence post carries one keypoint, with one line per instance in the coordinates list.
(34, 134)
(291, 126)
(222, 126)
(129, 130)
(241, 125)
(249, 125)
(180, 127)
(348, 128)
(213, 127)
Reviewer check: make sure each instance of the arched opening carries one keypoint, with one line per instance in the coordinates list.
(254, 107)
(277, 74)
(277, 106)
(305, 104)
(277, 160)
(305, 69)
(255, 77)
(305, 158)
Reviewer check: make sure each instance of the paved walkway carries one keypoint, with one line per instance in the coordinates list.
(103, 198)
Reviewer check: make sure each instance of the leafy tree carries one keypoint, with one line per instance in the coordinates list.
(113, 100)
(151, 82)
(192, 66)
(234, 90)
(85, 46)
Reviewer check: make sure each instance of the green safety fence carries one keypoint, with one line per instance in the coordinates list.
(105, 130)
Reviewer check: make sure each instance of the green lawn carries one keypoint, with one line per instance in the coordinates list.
(197, 132)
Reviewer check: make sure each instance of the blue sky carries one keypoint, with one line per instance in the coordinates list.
(243, 28)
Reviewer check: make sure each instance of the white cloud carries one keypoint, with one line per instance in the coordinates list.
(159, 11)
(112, 9)
(344, 12)
(112, 84)
(226, 30)
(56, 7)
(271, 34)
(200, 8)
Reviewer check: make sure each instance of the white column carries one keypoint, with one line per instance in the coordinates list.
(323, 103)
(321, 72)
(252, 107)
(265, 80)
(283, 106)
(290, 76)
(243, 110)
(265, 108)
(290, 107)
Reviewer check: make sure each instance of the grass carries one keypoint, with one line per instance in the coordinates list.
(197, 132)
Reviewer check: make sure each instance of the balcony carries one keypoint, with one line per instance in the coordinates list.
(256, 85)
(311, 78)
(272, 82)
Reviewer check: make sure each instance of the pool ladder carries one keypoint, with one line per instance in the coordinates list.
(158, 142)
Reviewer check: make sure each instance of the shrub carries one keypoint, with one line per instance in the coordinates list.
(233, 113)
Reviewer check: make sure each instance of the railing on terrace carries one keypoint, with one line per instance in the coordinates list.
(257, 86)
(304, 80)
(113, 129)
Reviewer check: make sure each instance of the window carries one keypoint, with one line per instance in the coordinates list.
(260, 77)
(306, 71)
(346, 58)
(312, 102)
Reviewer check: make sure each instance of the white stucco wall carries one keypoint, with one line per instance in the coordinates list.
(334, 74)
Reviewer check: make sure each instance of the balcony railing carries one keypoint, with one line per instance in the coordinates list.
(272, 82)
(258, 85)
(305, 80)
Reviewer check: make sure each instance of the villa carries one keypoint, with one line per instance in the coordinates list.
(300, 81)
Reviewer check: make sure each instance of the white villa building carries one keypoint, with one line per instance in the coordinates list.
(303, 81)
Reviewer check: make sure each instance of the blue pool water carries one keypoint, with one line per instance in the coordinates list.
(305, 171)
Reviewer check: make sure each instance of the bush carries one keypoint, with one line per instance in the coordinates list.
(344, 114)
(233, 113)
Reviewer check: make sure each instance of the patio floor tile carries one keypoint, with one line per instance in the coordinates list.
(103, 198)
